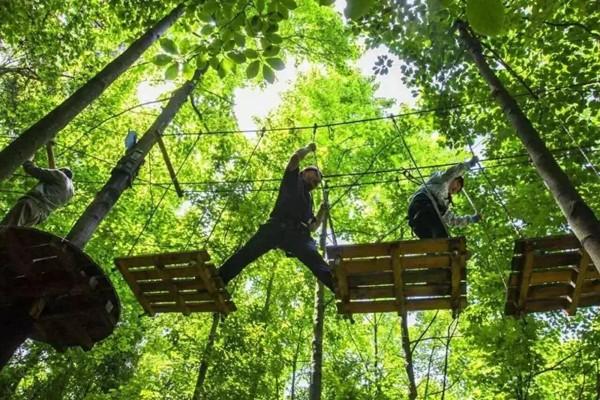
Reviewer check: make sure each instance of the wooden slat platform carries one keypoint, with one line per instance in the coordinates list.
(411, 275)
(65, 294)
(551, 273)
(183, 282)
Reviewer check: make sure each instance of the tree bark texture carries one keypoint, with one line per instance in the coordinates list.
(318, 324)
(580, 216)
(43, 131)
(203, 368)
(123, 174)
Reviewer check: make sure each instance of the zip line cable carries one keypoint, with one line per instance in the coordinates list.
(380, 118)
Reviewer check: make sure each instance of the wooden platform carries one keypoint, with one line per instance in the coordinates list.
(551, 273)
(64, 296)
(176, 282)
(400, 276)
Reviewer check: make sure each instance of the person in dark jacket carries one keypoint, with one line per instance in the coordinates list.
(429, 212)
(290, 224)
(54, 190)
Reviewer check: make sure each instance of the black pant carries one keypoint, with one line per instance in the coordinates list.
(424, 220)
(293, 239)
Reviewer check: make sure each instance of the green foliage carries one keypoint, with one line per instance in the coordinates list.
(486, 16)
(263, 350)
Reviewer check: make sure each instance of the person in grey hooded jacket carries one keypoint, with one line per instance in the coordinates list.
(55, 189)
(429, 211)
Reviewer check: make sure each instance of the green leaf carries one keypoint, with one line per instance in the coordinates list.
(268, 73)
(207, 29)
(252, 69)
(238, 57)
(326, 2)
(357, 8)
(260, 5)
(239, 39)
(162, 59)
(271, 51)
(486, 16)
(276, 63)
(251, 53)
(289, 4)
(172, 72)
(274, 38)
(188, 70)
(202, 61)
(169, 46)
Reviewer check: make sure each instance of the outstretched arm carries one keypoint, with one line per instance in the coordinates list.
(299, 155)
(451, 219)
(43, 174)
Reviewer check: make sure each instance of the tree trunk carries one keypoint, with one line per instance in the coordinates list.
(319, 317)
(123, 174)
(412, 387)
(203, 368)
(580, 217)
(40, 133)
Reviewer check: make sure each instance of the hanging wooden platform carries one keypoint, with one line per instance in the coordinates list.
(401, 276)
(551, 273)
(54, 289)
(176, 282)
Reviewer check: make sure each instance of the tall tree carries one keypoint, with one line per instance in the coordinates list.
(43, 131)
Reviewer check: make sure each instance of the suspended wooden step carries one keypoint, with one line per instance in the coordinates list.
(176, 282)
(51, 291)
(401, 276)
(551, 273)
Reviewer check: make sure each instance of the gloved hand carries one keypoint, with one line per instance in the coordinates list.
(475, 218)
(311, 147)
(473, 161)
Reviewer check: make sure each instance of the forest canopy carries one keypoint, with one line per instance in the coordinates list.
(545, 53)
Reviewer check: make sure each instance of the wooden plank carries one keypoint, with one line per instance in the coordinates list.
(354, 266)
(564, 275)
(156, 286)
(387, 292)
(172, 174)
(173, 290)
(209, 283)
(545, 261)
(434, 276)
(187, 297)
(589, 299)
(201, 307)
(547, 305)
(549, 291)
(547, 243)
(525, 278)
(424, 246)
(591, 286)
(153, 274)
(342, 281)
(150, 260)
(397, 270)
(584, 263)
(411, 305)
(135, 288)
(458, 261)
